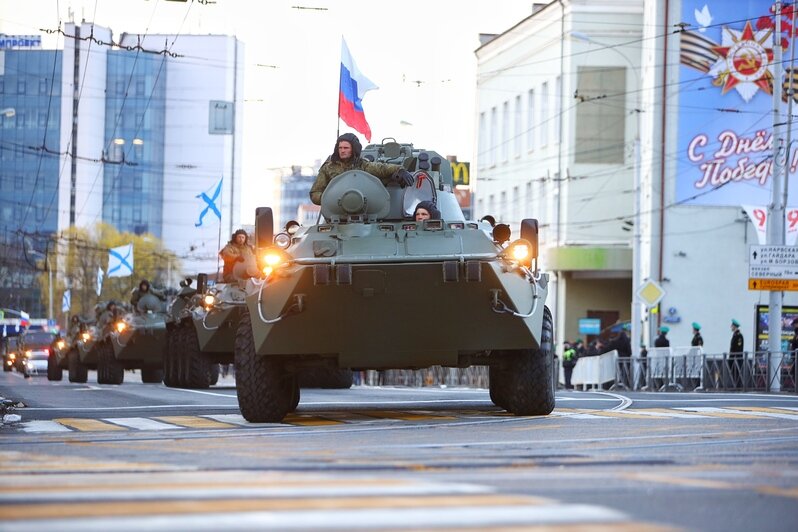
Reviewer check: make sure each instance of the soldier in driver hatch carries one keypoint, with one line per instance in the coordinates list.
(346, 156)
(237, 250)
(143, 289)
(426, 210)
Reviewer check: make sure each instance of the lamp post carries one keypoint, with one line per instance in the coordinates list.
(637, 315)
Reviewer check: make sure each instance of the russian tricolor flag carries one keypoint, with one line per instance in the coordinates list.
(354, 86)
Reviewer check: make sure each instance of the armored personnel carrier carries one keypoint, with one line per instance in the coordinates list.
(370, 288)
(200, 333)
(135, 340)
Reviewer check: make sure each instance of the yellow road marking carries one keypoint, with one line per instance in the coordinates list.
(88, 425)
(768, 410)
(726, 415)
(96, 509)
(405, 416)
(781, 492)
(681, 481)
(618, 414)
(195, 422)
(310, 421)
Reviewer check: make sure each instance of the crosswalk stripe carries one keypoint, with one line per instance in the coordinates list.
(403, 416)
(667, 413)
(759, 414)
(789, 414)
(365, 518)
(44, 426)
(88, 425)
(575, 414)
(142, 423)
(310, 421)
(195, 422)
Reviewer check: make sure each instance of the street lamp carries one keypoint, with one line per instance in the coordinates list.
(636, 243)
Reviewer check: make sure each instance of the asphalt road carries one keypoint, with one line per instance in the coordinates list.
(146, 457)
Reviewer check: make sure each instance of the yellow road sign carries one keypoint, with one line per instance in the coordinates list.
(786, 285)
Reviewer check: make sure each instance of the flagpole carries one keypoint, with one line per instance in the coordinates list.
(338, 119)
(219, 241)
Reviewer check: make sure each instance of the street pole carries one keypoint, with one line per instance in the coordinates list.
(775, 236)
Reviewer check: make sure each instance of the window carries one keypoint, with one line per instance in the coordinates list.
(530, 120)
(494, 130)
(137, 183)
(43, 86)
(42, 119)
(492, 205)
(601, 115)
(557, 108)
(544, 114)
(120, 87)
(483, 140)
(140, 87)
(503, 206)
(21, 86)
(137, 214)
(2, 86)
(516, 205)
(18, 182)
(505, 131)
(528, 201)
(517, 129)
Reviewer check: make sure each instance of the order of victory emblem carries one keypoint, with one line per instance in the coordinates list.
(743, 61)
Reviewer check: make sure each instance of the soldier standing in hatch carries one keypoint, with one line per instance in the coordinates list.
(346, 156)
(237, 250)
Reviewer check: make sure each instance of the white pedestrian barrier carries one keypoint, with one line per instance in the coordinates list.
(593, 371)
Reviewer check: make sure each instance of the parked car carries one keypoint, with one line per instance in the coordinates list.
(34, 347)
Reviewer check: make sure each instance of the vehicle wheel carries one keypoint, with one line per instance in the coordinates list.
(213, 374)
(293, 390)
(531, 386)
(54, 373)
(198, 367)
(498, 386)
(112, 371)
(170, 356)
(151, 376)
(260, 387)
(77, 371)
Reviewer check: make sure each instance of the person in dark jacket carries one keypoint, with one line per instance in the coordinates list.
(346, 156)
(426, 210)
(623, 346)
(698, 340)
(569, 358)
(736, 352)
(662, 339)
(235, 251)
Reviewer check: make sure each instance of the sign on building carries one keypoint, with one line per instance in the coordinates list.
(460, 173)
(220, 118)
(773, 268)
(9, 42)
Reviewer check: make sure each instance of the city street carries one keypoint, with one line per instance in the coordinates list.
(143, 456)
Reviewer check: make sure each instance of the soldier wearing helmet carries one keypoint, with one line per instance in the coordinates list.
(237, 250)
(346, 156)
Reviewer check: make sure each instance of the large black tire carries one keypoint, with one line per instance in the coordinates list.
(54, 372)
(213, 373)
(171, 358)
(293, 390)
(531, 383)
(198, 366)
(151, 376)
(111, 370)
(260, 380)
(498, 384)
(77, 371)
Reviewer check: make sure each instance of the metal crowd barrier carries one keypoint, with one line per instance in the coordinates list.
(663, 369)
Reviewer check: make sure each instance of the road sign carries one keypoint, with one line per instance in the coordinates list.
(650, 293)
(781, 285)
(773, 262)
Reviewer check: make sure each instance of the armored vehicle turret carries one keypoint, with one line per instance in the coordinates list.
(368, 287)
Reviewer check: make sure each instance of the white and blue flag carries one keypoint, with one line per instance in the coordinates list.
(120, 261)
(99, 281)
(66, 300)
(209, 203)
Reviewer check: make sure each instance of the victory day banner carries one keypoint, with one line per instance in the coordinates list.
(725, 143)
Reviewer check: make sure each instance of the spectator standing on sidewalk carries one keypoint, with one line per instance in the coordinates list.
(698, 340)
(662, 339)
(736, 353)
(569, 358)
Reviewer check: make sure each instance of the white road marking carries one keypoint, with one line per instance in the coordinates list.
(141, 423)
(354, 519)
(43, 426)
(755, 413)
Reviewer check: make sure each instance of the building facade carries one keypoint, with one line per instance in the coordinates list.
(144, 135)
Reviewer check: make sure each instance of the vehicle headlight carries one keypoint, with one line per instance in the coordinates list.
(28, 353)
(282, 240)
(208, 300)
(519, 251)
(121, 326)
(60, 344)
(12, 356)
(85, 336)
(272, 259)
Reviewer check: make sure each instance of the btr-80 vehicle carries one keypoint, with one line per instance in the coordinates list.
(135, 340)
(370, 288)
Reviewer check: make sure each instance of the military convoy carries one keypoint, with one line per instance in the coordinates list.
(370, 288)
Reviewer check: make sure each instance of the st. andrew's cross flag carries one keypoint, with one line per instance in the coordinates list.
(354, 86)
(120, 261)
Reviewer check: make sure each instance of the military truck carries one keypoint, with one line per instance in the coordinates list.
(370, 288)
(136, 340)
